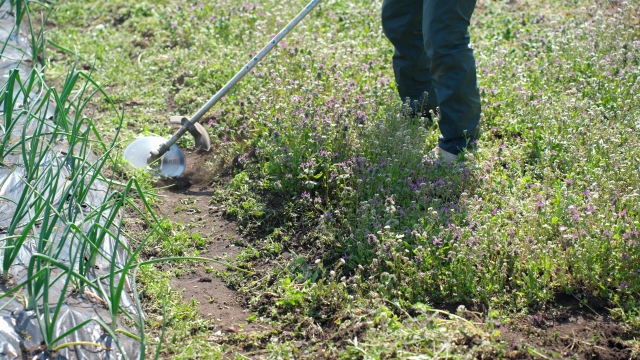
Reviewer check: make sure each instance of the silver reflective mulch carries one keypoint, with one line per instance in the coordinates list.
(21, 331)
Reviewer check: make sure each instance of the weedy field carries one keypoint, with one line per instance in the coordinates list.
(355, 244)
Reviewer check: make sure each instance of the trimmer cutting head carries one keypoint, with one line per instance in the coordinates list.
(200, 135)
(150, 151)
(171, 164)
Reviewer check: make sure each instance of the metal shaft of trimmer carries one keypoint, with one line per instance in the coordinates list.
(156, 154)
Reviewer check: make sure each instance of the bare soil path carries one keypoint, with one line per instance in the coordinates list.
(572, 329)
(187, 200)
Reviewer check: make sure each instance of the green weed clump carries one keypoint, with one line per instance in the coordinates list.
(548, 207)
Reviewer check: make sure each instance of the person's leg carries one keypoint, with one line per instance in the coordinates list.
(402, 24)
(453, 70)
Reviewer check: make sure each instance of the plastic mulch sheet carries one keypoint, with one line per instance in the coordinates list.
(22, 331)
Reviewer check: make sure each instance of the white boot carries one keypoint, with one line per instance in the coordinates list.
(439, 154)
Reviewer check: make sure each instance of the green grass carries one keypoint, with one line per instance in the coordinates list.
(549, 206)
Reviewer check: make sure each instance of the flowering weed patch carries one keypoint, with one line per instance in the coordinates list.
(331, 180)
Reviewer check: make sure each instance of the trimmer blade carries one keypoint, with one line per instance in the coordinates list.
(171, 164)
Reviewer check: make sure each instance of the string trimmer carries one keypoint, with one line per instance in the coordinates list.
(163, 155)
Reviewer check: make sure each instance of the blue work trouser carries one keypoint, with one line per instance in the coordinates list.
(432, 54)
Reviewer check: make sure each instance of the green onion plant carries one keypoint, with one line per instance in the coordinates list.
(67, 214)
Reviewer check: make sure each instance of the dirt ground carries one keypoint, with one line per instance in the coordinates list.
(571, 329)
(187, 200)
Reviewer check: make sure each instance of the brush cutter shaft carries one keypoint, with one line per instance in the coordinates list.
(222, 92)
